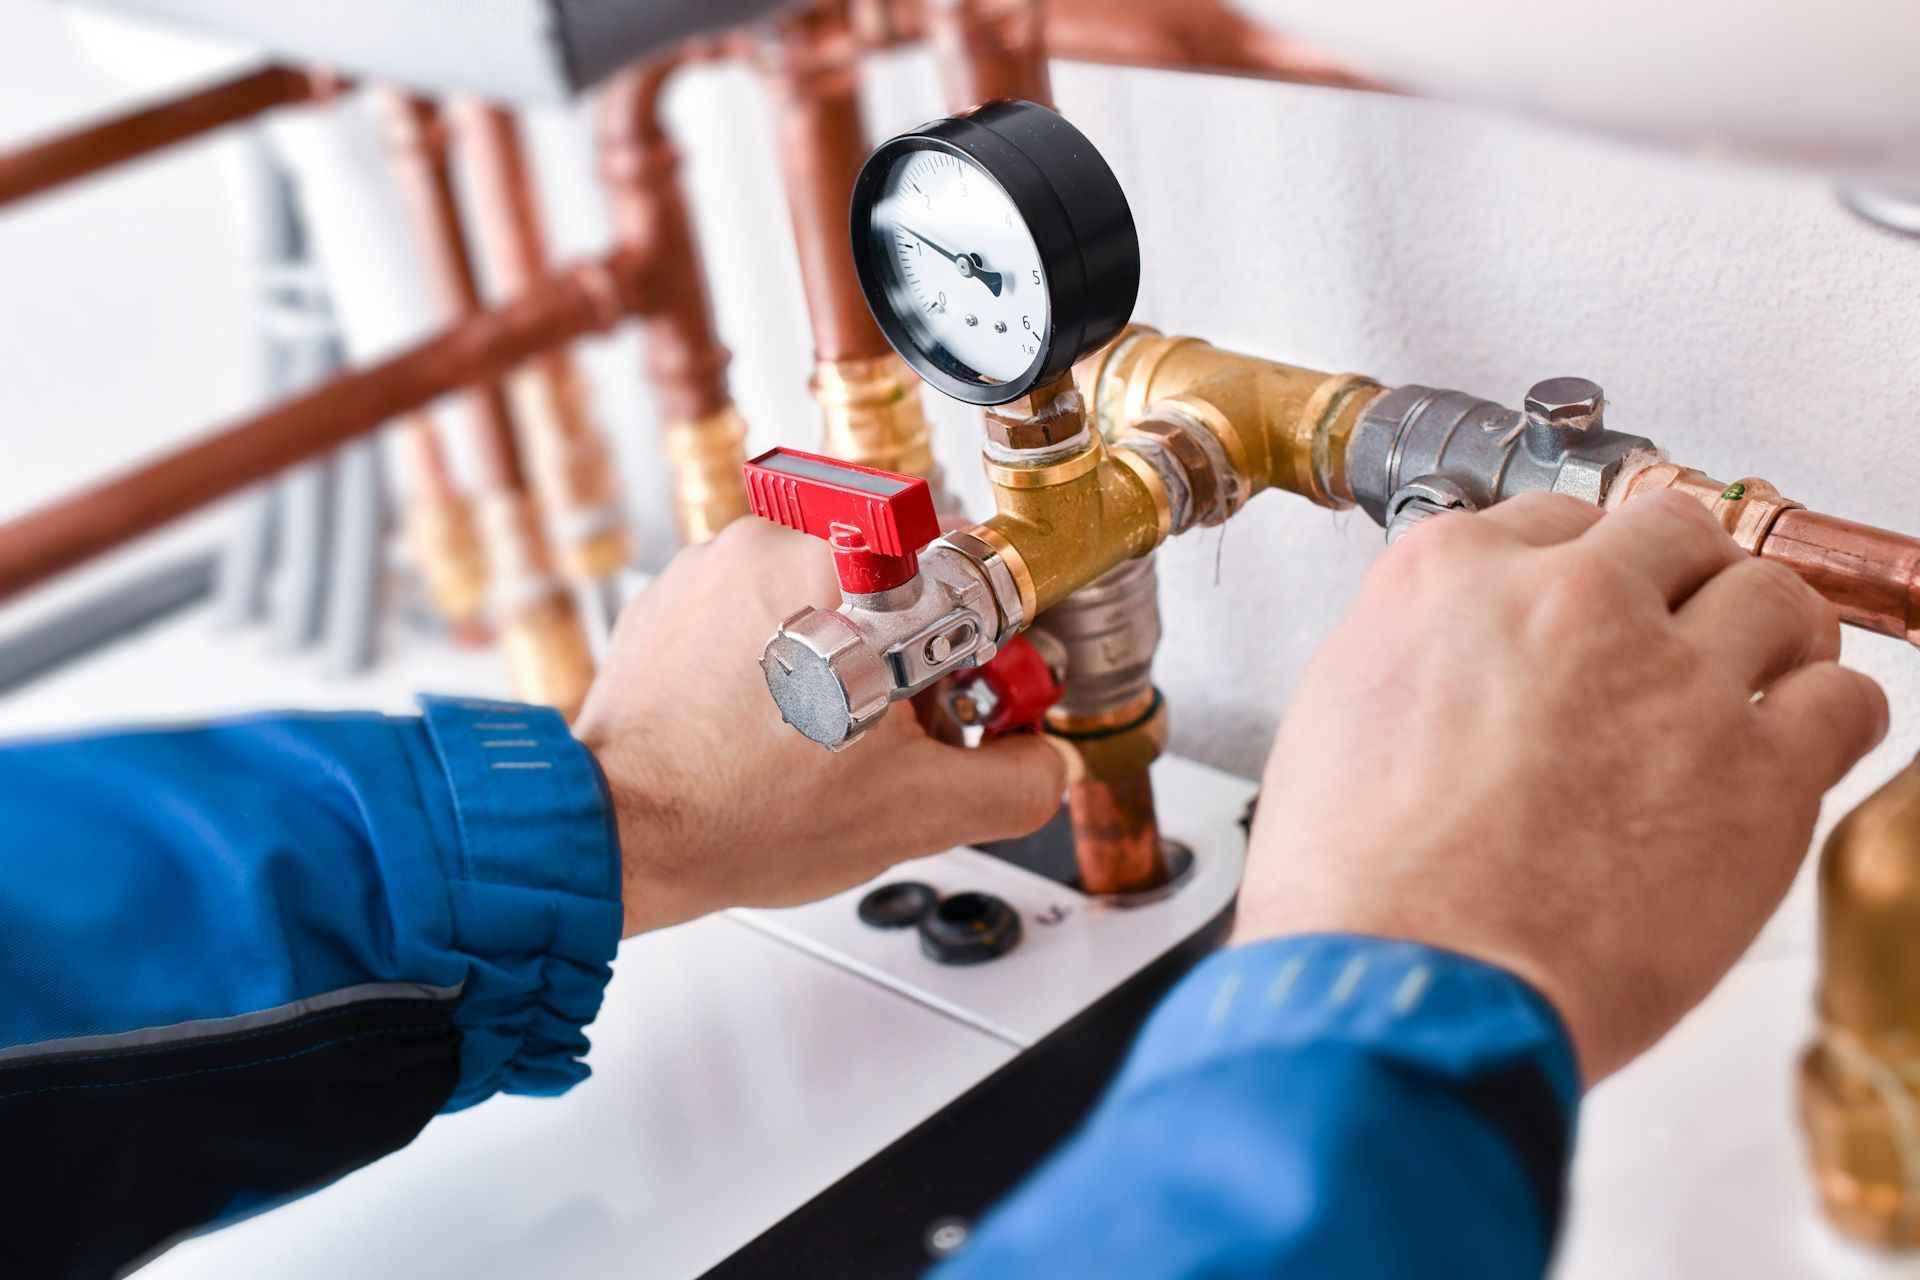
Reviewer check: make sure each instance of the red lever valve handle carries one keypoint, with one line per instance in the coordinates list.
(1011, 693)
(876, 521)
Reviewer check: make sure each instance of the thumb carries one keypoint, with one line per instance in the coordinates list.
(1001, 790)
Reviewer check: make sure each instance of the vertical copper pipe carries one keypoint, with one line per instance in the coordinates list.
(419, 140)
(703, 434)
(991, 49)
(870, 402)
(57, 161)
(814, 71)
(1116, 837)
(584, 299)
(541, 633)
(573, 470)
(439, 531)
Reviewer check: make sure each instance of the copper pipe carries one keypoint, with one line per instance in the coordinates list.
(1116, 838)
(1205, 36)
(572, 467)
(43, 166)
(990, 49)
(589, 298)
(418, 139)
(641, 168)
(1872, 576)
(702, 434)
(813, 68)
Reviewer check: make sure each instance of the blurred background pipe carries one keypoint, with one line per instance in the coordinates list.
(702, 435)
(573, 470)
(545, 642)
(587, 298)
(43, 166)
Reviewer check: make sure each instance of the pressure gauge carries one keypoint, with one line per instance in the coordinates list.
(996, 248)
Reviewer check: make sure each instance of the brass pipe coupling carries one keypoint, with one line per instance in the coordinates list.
(542, 637)
(706, 455)
(1860, 1080)
(874, 417)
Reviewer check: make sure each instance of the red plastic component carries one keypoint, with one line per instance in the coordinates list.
(1024, 689)
(875, 521)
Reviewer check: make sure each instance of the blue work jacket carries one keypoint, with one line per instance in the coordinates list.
(240, 961)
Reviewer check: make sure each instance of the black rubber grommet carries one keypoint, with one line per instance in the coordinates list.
(900, 905)
(969, 928)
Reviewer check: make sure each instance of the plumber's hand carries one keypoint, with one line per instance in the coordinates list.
(720, 804)
(1535, 741)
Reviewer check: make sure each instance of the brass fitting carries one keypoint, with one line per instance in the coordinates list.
(541, 634)
(573, 472)
(442, 543)
(1282, 427)
(1064, 522)
(706, 456)
(874, 416)
(548, 659)
(1860, 1081)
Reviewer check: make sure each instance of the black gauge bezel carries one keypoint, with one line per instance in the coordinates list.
(1075, 211)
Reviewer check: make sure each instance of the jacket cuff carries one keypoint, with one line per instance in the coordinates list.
(533, 875)
(1436, 1012)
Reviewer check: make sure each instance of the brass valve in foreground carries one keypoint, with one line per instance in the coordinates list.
(1860, 1081)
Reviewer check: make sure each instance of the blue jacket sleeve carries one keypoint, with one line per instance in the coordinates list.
(240, 960)
(1314, 1106)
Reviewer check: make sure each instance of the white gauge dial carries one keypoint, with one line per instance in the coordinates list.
(961, 268)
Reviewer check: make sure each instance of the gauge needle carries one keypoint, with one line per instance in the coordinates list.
(968, 264)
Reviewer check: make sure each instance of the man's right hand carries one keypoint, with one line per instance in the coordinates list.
(1588, 750)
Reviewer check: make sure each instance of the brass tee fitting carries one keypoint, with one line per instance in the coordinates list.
(1860, 1081)
(1280, 426)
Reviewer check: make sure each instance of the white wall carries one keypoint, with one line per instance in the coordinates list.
(1738, 316)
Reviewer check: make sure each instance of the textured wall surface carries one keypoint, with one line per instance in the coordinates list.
(1737, 315)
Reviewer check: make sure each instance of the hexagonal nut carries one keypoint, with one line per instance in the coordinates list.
(825, 678)
(1564, 399)
(1116, 756)
(1030, 424)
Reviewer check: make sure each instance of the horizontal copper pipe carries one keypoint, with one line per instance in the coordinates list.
(68, 158)
(592, 297)
(1871, 575)
(1187, 35)
(1201, 36)
(1116, 837)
